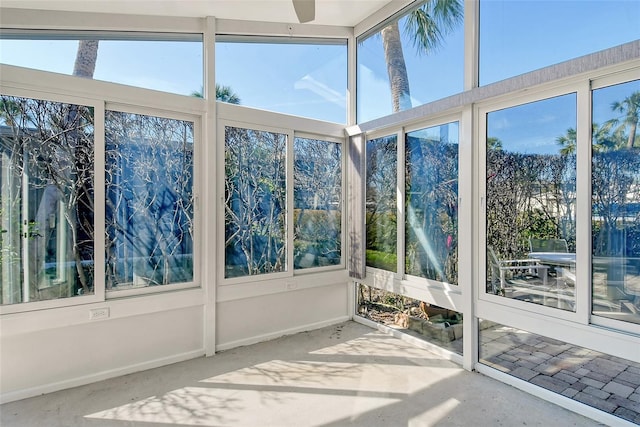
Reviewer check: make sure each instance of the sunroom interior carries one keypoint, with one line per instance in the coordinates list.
(462, 174)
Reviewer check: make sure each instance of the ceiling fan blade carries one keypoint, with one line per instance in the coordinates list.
(305, 9)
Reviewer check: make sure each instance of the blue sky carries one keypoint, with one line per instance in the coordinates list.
(604, 97)
(164, 65)
(533, 128)
(310, 80)
(522, 35)
(431, 77)
(301, 79)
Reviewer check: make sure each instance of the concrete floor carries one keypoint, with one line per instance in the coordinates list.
(343, 375)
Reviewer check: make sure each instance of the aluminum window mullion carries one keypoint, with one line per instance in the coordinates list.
(400, 203)
(23, 34)
(289, 184)
(99, 196)
(471, 46)
(583, 288)
(467, 214)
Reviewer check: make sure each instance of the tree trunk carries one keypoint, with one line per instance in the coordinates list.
(396, 68)
(86, 57)
(632, 134)
(84, 66)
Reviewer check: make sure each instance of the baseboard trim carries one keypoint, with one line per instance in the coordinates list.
(13, 396)
(272, 335)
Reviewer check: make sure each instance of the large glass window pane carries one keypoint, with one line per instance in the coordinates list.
(255, 202)
(432, 203)
(413, 60)
(165, 62)
(531, 202)
(381, 207)
(46, 200)
(149, 200)
(317, 194)
(519, 36)
(301, 77)
(616, 202)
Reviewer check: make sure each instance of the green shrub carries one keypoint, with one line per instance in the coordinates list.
(383, 260)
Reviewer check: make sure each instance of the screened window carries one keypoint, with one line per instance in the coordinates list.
(149, 200)
(412, 60)
(381, 203)
(531, 202)
(432, 203)
(317, 203)
(615, 213)
(428, 322)
(520, 36)
(46, 200)
(255, 202)
(306, 78)
(165, 62)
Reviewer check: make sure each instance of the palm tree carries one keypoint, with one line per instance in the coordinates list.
(427, 25)
(86, 57)
(568, 142)
(494, 143)
(226, 94)
(223, 94)
(603, 139)
(630, 109)
(85, 65)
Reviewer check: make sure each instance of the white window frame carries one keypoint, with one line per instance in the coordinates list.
(98, 241)
(439, 293)
(197, 223)
(454, 118)
(24, 82)
(601, 83)
(579, 327)
(482, 112)
(343, 201)
(288, 232)
(260, 120)
(381, 274)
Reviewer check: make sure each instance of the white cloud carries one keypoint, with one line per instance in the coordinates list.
(322, 90)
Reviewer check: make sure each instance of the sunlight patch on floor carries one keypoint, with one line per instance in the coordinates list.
(340, 382)
(200, 406)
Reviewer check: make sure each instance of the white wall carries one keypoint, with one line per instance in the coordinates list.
(48, 350)
(249, 320)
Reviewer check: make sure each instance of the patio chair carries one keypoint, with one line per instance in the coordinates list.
(500, 268)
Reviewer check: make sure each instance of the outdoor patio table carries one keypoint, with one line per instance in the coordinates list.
(562, 259)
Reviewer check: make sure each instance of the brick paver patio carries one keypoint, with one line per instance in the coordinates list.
(608, 383)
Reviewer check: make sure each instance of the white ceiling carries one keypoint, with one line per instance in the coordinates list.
(328, 12)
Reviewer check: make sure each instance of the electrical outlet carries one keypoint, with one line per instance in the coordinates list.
(291, 286)
(99, 313)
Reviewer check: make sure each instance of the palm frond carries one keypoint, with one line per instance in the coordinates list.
(428, 25)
